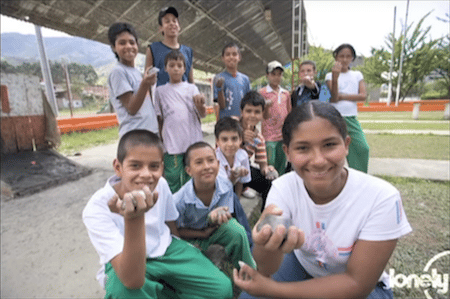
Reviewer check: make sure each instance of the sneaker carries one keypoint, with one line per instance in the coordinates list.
(249, 193)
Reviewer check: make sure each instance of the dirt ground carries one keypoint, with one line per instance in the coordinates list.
(45, 249)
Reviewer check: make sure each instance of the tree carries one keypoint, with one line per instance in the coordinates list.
(324, 62)
(443, 52)
(421, 57)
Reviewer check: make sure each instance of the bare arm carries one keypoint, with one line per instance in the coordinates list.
(220, 94)
(149, 64)
(191, 75)
(173, 228)
(333, 84)
(160, 126)
(130, 264)
(133, 101)
(199, 102)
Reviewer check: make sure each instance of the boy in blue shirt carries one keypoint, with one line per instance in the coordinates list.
(169, 27)
(131, 221)
(230, 86)
(205, 204)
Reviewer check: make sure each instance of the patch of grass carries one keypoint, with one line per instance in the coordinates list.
(409, 146)
(401, 115)
(406, 126)
(74, 142)
(427, 206)
(209, 118)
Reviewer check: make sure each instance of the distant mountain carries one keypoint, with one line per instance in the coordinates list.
(17, 48)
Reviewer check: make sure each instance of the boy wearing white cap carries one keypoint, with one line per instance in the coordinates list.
(278, 106)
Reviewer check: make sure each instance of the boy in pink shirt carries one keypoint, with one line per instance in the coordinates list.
(278, 106)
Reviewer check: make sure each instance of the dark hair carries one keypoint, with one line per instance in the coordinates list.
(253, 98)
(343, 46)
(116, 29)
(231, 45)
(194, 146)
(228, 124)
(308, 111)
(137, 137)
(306, 62)
(174, 55)
(166, 10)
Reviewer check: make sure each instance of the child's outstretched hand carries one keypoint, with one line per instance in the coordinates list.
(199, 100)
(219, 81)
(336, 69)
(309, 82)
(133, 204)
(150, 75)
(219, 216)
(277, 238)
(251, 280)
(270, 173)
(249, 134)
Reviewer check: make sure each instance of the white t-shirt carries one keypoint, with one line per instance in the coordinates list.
(121, 80)
(240, 159)
(106, 229)
(182, 126)
(348, 83)
(367, 208)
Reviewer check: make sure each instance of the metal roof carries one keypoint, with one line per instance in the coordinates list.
(206, 25)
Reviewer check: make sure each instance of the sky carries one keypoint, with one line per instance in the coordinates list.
(364, 24)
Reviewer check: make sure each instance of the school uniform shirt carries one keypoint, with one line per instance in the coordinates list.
(106, 229)
(367, 208)
(159, 53)
(175, 105)
(193, 212)
(348, 83)
(234, 89)
(121, 80)
(240, 160)
(281, 105)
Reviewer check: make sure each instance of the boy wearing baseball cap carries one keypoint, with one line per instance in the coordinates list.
(278, 106)
(157, 51)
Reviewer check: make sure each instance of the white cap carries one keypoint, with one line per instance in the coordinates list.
(274, 65)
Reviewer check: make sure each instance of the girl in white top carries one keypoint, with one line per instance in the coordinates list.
(347, 88)
(345, 223)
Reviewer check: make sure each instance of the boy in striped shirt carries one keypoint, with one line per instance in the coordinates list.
(252, 109)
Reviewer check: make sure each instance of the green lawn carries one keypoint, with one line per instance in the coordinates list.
(74, 142)
(407, 115)
(409, 146)
(427, 207)
(406, 126)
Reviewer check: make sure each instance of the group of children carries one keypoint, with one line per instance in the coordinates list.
(174, 195)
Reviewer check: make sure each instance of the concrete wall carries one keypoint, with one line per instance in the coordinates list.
(23, 122)
(25, 97)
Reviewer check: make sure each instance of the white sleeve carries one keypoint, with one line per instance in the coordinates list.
(103, 232)
(278, 195)
(119, 82)
(171, 209)
(386, 221)
(328, 77)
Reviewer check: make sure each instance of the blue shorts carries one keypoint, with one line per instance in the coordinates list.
(292, 270)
